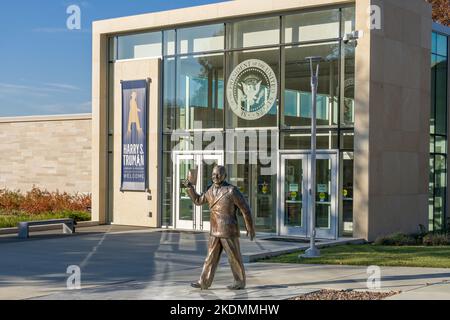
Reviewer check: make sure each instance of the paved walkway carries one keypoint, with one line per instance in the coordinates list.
(137, 263)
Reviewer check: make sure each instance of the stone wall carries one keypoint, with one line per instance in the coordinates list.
(392, 119)
(50, 152)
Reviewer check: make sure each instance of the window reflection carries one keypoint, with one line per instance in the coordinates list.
(348, 87)
(200, 91)
(271, 57)
(348, 20)
(347, 191)
(169, 42)
(298, 102)
(260, 191)
(144, 45)
(312, 26)
(200, 39)
(252, 33)
(438, 131)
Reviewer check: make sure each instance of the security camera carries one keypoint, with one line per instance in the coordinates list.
(353, 36)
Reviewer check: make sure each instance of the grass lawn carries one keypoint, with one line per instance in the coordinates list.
(10, 221)
(367, 254)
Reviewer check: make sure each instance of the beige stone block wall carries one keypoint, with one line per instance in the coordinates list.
(50, 152)
(392, 119)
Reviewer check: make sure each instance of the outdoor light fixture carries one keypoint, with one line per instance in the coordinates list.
(352, 36)
(313, 252)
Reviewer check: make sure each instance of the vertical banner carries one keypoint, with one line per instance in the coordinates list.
(134, 135)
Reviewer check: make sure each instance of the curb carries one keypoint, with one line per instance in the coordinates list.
(81, 224)
(254, 257)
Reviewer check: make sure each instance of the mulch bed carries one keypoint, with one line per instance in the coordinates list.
(345, 295)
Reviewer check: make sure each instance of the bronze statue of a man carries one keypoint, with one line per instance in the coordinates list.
(224, 199)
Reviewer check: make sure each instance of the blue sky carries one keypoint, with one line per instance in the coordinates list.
(46, 68)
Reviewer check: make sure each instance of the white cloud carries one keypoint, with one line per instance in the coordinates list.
(60, 30)
(45, 88)
(62, 86)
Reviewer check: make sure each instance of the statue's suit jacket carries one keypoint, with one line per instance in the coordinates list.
(223, 207)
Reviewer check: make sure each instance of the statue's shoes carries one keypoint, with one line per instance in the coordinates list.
(236, 287)
(197, 286)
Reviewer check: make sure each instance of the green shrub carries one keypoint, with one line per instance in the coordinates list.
(396, 239)
(77, 215)
(436, 239)
(11, 221)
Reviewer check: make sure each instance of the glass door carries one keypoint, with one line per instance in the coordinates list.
(326, 199)
(208, 162)
(184, 207)
(295, 196)
(187, 215)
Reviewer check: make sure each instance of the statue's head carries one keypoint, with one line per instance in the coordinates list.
(219, 175)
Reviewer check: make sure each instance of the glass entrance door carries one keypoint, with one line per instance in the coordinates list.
(187, 215)
(295, 196)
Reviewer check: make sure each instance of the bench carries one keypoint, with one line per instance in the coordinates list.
(67, 224)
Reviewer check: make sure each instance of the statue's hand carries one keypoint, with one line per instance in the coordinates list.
(187, 184)
(251, 234)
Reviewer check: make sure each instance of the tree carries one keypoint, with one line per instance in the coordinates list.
(441, 11)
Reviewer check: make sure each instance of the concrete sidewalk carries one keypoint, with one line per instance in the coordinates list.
(138, 263)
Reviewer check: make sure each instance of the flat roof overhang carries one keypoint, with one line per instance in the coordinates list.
(205, 13)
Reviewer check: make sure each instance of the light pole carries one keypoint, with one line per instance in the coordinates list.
(313, 252)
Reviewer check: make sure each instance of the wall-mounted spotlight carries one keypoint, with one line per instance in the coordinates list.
(353, 36)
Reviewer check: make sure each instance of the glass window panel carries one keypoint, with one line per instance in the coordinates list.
(270, 57)
(348, 88)
(347, 190)
(294, 212)
(433, 95)
(441, 45)
(167, 188)
(440, 191)
(169, 42)
(297, 102)
(431, 195)
(112, 49)
(441, 98)
(302, 140)
(323, 199)
(434, 42)
(259, 189)
(347, 140)
(432, 144)
(348, 20)
(169, 100)
(200, 39)
(194, 141)
(144, 45)
(441, 145)
(251, 33)
(200, 92)
(312, 26)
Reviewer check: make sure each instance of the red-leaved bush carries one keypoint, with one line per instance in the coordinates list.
(39, 201)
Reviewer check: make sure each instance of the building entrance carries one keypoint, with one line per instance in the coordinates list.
(295, 197)
(187, 215)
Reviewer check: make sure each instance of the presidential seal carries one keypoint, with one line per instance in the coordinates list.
(252, 89)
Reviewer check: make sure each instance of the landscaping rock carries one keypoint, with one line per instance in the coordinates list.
(346, 295)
